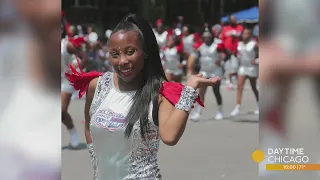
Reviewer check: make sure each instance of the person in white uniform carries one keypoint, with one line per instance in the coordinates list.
(249, 68)
(209, 54)
(188, 40)
(160, 33)
(171, 55)
(67, 58)
(127, 112)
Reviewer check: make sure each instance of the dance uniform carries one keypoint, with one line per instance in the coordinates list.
(161, 38)
(188, 43)
(208, 56)
(113, 156)
(171, 60)
(66, 60)
(247, 53)
(116, 156)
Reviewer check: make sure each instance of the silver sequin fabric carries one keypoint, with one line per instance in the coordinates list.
(187, 99)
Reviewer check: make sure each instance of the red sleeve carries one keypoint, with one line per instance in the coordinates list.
(180, 47)
(197, 44)
(172, 92)
(221, 47)
(80, 80)
(196, 36)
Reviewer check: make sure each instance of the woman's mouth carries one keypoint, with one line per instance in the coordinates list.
(126, 72)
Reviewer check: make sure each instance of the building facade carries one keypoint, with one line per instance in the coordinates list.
(104, 14)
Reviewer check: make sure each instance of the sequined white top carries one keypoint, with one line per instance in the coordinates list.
(208, 56)
(188, 43)
(246, 54)
(116, 157)
(161, 38)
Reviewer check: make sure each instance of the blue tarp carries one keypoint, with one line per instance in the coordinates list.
(248, 15)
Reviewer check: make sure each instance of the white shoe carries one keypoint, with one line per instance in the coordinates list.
(256, 112)
(219, 116)
(195, 116)
(74, 139)
(235, 111)
(230, 86)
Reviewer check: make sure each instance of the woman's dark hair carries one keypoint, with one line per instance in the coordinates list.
(153, 75)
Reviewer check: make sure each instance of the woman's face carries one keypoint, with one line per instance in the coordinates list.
(126, 54)
(185, 31)
(246, 34)
(207, 39)
(170, 42)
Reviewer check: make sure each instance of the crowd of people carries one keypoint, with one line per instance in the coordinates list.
(227, 51)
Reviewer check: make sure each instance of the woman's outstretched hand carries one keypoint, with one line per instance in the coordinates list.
(197, 81)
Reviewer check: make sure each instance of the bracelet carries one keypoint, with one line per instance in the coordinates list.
(93, 161)
(187, 99)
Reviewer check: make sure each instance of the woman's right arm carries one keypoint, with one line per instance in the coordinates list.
(89, 97)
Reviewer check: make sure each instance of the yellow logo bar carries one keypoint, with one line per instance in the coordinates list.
(293, 167)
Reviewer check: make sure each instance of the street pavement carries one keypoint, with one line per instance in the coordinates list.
(209, 149)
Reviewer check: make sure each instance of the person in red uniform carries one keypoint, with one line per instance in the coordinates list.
(230, 38)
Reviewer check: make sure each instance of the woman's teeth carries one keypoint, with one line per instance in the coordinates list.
(125, 71)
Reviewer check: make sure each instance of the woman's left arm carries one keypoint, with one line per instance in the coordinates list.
(173, 119)
(172, 122)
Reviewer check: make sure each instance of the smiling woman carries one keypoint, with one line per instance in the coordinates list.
(124, 53)
(127, 112)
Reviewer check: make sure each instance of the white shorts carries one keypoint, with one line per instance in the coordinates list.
(66, 87)
(232, 65)
(249, 71)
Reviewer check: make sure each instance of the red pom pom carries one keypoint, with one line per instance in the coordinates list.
(77, 42)
(80, 80)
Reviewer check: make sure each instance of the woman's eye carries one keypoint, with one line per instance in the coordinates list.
(131, 52)
(114, 55)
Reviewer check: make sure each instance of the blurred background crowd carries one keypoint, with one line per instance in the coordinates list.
(94, 20)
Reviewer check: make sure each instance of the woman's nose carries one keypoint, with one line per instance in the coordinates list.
(123, 60)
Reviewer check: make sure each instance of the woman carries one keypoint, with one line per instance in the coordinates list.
(188, 39)
(249, 68)
(210, 67)
(70, 49)
(160, 33)
(171, 55)
(127, 112)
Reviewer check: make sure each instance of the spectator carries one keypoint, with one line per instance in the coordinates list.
(230, 37)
